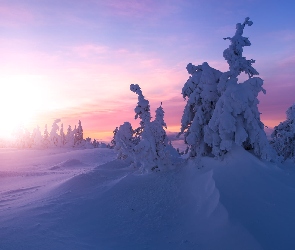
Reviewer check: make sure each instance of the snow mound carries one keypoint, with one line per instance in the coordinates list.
(240, 203)
(260, 196)
(71, 163)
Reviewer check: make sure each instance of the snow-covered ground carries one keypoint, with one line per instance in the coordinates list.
(86, 199)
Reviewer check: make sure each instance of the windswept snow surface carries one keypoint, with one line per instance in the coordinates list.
(86, 199)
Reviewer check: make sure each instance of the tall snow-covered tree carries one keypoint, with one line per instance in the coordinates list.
(79, 135)
(53, 136)
(147, 145)
(202, 95)
(283, 136)
(142, 109)
(236, 119)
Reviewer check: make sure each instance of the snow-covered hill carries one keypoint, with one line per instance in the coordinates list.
(86, 199)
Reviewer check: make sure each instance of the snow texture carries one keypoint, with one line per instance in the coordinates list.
(62, 198)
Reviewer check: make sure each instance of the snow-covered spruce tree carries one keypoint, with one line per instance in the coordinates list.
(202, 95)
(283, 136)
(95, 143)
(20, 138)
(236, 119)
(147, 145)
(53, 136)
(126, 142)
(88, 143)
(27, 139)
(79, 135)
(46, 141)
(70, 137)
(113, 141)
(37, 139)
(62, 136)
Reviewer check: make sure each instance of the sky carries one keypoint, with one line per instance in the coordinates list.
(75, 60)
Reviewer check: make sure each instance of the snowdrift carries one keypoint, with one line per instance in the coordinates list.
(86, 199)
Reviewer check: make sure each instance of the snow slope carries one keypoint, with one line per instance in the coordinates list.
(86, 199)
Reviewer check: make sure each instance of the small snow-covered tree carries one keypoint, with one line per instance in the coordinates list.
(46, 141)
(95, 143)
(70, 137)
(236, 119)
(113, 141)
(53, 136)
(20, 138)
(125, 142)
(283, 136)
(37, 139)
(88, 143)
(27, 139)
(202, 95)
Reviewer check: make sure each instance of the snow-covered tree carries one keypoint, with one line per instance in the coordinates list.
(142, 109)
(88, 143)
(147, 145)
(125, 142)
(37, 139)
(283, 136)
(46, 141)
(236, 119)
(22, 138)
(79, 135)
(62, 136)
(95, 143)
(53, 136)
(27, 139)
(113, 141)
(202, 95)
(70, 137)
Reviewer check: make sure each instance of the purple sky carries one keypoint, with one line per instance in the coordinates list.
(74, 60)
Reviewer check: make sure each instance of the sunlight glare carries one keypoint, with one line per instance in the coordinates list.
(21, 97)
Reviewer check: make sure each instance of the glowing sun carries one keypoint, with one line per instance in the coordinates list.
(21, 98)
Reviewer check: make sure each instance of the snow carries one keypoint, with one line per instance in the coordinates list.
(146, 146)
(283, 136)
(220, 112)
(61, 198)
